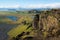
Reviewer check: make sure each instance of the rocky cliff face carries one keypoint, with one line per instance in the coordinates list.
(49, 25)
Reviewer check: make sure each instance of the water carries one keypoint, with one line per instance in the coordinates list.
(14, 18)
(4, 28)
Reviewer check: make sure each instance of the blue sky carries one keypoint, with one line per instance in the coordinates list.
(29, 3)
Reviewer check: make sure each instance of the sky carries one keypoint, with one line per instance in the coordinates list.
(29, 3)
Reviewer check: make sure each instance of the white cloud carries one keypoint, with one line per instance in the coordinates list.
(9, 6)
(51, 5)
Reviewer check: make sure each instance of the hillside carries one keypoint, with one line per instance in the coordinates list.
(49, 25)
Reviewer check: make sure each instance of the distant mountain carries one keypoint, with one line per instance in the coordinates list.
(7, 9)
(3, 9)
(22, 9)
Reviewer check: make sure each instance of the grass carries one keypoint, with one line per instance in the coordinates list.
(18, 30)
(48, 20)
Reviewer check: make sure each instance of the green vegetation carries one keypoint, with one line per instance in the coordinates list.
(39, 25)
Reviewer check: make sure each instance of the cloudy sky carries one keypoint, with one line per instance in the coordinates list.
(29, 3)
